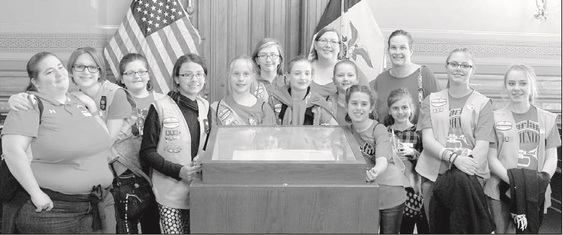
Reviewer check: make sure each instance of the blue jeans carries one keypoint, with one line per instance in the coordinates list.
(133, 196)
(390, 219)
(65, 217)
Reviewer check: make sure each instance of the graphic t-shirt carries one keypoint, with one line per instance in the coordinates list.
(456, 140)
(528, 128)
(143, 105)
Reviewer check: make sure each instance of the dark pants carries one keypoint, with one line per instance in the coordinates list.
(67, 216)
(134, 203)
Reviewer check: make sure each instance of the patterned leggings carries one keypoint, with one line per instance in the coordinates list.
(174, 221)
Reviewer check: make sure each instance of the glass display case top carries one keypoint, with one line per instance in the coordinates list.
(282, 143)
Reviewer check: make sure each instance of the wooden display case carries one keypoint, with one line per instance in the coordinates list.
(283, 179)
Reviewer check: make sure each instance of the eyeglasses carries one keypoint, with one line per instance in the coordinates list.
(132, 73)
(324, 41)
(80, 68)
(455, 65)
(191, 75)
(272, 56)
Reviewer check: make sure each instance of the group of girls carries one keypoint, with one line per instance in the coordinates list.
(456, 131)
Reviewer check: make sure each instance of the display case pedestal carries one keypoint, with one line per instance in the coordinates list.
(278, 208)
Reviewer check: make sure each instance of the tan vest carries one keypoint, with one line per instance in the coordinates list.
(175, 146)
(105, 98)
(429, 166)
(509, 143)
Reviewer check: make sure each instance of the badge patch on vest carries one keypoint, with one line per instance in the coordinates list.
(470, 107)
(225, 116)
(252, 121)
(171, 134)
(503, 125)
(277, 108)
(172, 148)
(171, 123)
(438, 102)
(103, 102)
(206, 125)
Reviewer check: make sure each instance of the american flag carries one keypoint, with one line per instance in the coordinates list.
(158, 29)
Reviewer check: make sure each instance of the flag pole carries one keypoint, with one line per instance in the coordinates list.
(344, 53)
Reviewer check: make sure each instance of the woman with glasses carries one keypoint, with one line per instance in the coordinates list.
(326, 53)
(175, 133)
(457, 127)
(63, 179)
(115, 105)
(268, 57)
(419, 80)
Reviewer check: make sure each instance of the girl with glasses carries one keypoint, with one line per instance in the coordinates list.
(268, 56)
(457, 127)
(527, 141)
(419, 80)
(241, 107)
(115, 104)
(175, 133)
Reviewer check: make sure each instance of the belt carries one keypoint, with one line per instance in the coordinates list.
(95, 197)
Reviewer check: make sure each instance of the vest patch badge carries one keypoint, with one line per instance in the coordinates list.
(503, 125)
(103, 102)
(438, 110)
(171, 123)
(206, 125)
(277, 108)
(252, 121)
(173, 148)
(438, 102)
(470, 107)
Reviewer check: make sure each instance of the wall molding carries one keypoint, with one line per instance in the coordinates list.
(426, 44)
(59, 42)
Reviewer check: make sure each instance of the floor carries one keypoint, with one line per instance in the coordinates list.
(551, 222)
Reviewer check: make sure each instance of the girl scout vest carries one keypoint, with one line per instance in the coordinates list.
(105, 97)
(509, 143)
(295, 112)
(175, 145)
(226, 115)
(125, 150)
(429, 166)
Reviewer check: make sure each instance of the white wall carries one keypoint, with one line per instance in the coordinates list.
(484, 16)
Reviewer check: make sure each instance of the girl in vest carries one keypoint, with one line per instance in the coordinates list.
(527, 138)
(240, 107)
(375, 146)
(296, 104)
(268, 57)
(132, 190)
(407, 144)
(175, 132)
(457, 127)
(345, 75)
(115, 105)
